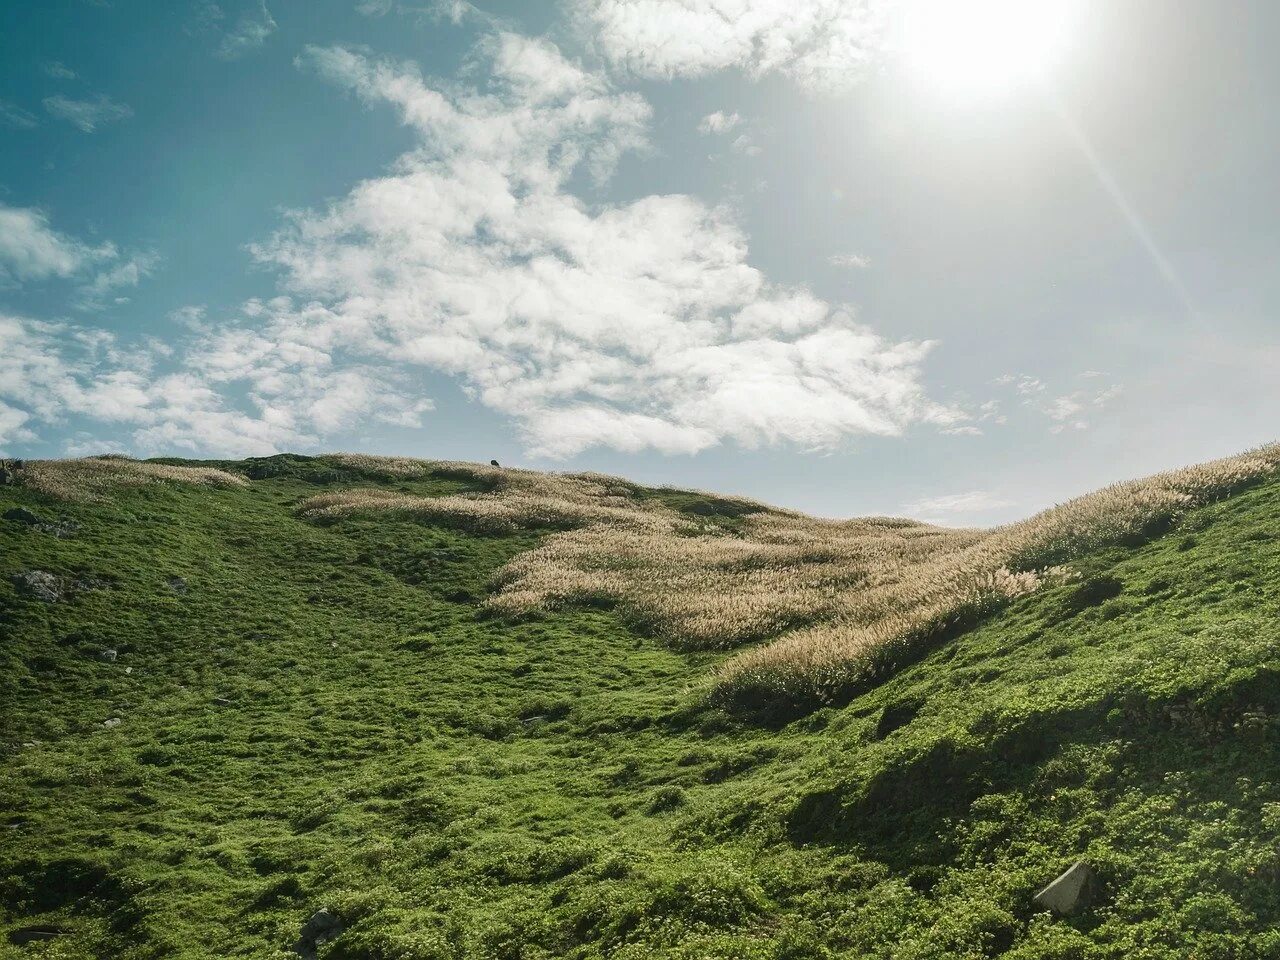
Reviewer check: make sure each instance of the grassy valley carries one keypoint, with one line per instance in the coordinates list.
(482, 713)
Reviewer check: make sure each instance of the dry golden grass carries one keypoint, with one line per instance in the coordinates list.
(94, 478)
(837, 601)
(510, 499)
(820, 661)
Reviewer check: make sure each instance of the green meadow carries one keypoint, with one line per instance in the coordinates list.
(233, 715)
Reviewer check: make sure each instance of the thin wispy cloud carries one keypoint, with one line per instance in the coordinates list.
(452, 11)
(57, 70)
(87, 115)
(12, 115)
(251, 31)
(853, 260)
(950, 506)
(1074, 410)
(106, 286)
(237, 34)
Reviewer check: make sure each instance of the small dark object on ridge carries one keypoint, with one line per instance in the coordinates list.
(494, 463)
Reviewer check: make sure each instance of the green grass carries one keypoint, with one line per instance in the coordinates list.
(325, 718)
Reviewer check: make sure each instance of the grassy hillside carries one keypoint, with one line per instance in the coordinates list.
(469, 713)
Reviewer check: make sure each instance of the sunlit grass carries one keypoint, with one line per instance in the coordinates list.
(836, 602)
(94, 478)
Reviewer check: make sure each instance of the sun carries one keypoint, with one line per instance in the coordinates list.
(981, 49)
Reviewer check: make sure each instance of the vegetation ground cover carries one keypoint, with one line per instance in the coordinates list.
(331, 714)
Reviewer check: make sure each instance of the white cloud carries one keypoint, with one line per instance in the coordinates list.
(122, 273)
(87, 445)
(637, 325)
(957, 504)
(57, 70)
(294, 393)
(88, 115)
(250, 32)
(718, 122)
(31, 250)
(854, 260)
(626, 325)
(455, 11)
(12, 425)
(822, 44)
(1067, 411)
(191, 316)
(14, 116)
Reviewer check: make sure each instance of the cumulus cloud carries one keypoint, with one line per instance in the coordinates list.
(636, 325)
(50, 373)
(822, 44)
(87, 115)
(12, 426)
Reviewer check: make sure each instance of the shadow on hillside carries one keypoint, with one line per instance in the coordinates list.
(900, 813)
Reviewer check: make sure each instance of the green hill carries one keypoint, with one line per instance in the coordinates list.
(487, 713)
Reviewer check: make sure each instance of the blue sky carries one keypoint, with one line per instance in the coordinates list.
(786, 249)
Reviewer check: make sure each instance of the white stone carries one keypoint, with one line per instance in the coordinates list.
(1071, 891)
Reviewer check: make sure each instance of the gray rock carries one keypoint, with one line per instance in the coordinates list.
(40, 585)
(1072, 892)
(222, 702)
(109, 656)
(112, 722)
(55, 528)
(178, 585)
(24, 516)
(25, 935)
(323, 926)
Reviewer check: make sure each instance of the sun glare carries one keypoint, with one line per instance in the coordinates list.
(980, 49)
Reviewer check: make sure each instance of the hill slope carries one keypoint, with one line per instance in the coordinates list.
(225, 703)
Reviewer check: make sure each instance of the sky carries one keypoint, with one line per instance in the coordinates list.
(957, 261)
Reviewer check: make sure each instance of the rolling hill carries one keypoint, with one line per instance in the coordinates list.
(369, 707)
